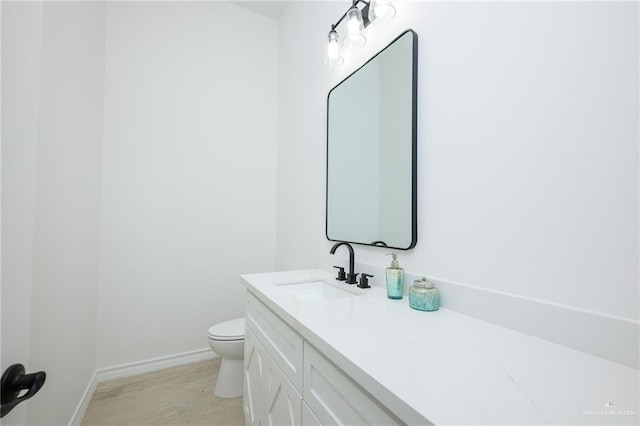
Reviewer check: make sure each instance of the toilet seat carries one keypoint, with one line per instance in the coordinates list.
(228, 330)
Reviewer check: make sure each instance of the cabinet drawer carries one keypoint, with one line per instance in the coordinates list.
(334, 398)
(280, 340)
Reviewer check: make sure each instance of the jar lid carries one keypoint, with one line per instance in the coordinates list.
(423, 283)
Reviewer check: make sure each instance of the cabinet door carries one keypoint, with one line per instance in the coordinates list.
(255, 383)
(308, 418)
(282, 342)
(269, 399)
(334, 398)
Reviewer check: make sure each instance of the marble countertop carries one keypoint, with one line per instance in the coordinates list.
(444, 367)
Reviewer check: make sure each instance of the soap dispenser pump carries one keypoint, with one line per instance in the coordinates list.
(395, 278)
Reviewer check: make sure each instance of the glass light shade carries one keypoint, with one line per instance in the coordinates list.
(355, 26)
(381, 11)
(333, 58)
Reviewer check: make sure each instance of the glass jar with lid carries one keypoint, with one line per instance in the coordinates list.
(424, 296)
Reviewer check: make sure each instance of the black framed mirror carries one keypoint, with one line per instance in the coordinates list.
(372, 150)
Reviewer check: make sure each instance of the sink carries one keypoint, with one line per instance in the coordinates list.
(317, 290)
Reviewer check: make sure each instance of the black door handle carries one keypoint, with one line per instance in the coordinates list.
(13, 382)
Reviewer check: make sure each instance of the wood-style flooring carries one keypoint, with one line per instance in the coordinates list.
(175, 396)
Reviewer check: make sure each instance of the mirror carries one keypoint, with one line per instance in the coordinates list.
(371, 150)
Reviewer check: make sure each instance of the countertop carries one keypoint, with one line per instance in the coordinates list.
(444, 367)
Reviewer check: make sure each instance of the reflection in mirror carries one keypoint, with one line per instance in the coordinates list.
(371, 150)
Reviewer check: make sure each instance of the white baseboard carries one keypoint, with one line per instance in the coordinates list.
(155, 364)
(76, 419)
(135, 369)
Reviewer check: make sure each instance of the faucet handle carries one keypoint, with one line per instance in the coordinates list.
(364, 280)
(341, 274)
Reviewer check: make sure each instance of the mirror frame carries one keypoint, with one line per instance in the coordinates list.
(414, 147)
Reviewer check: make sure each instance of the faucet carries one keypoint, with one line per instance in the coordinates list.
(351, 277)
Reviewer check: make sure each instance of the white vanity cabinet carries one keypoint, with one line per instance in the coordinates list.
(316, 356)
(334, 398)
(289, 382)
(272, 369)
(269, 397)
(308, 417)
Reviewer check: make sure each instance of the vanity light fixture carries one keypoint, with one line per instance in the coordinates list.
(378, 11)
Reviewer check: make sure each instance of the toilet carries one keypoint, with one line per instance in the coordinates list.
(227, 340)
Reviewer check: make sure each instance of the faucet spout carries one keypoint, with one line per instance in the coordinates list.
(351, 276)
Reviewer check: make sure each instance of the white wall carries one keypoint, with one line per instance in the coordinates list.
(188, 172)
(528, 146)
(303, 84)
(52, 174)
(21, 50)
(179, 199)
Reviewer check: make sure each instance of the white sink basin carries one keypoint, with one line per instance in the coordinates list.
(317, 290)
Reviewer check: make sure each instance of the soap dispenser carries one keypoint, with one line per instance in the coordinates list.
(424, 296)
(395, 278)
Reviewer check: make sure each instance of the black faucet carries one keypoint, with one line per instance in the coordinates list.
(351, 277)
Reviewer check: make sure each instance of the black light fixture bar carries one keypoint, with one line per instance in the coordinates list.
(380, 11)
(365, 14)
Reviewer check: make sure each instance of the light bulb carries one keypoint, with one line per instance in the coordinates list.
(333, 49)
(381, 11)
(333, 58)
(355, 26)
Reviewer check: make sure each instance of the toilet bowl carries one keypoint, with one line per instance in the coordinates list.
(227, 340)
